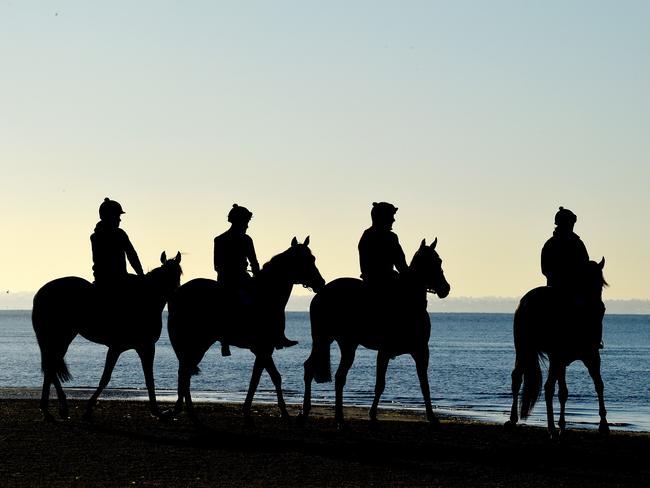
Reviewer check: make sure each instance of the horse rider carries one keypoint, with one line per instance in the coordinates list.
(382, 259)
(111, 249)
(233, 251)
(564, 259)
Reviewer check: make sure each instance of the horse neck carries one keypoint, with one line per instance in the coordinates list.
(156, 289)
(274, 285)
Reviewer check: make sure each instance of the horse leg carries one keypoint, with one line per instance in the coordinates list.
(258, 367)
(111, 359)
(563, 395)
(549, 391)
(421, 358)
(63, 400)
(516, 376)
(276, 378)
(306, 403)
(147, 354)
(45, 397)
(380, 383)
(347, 358)
(593, 366)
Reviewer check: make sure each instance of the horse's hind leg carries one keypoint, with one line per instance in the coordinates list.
(516, 376)
(347, 358)
(593, 366)
(147, 354)
(308, 377)
(421, 358)
(45, 397)
(64, 412)
(380, 383)
(276, 378)
(563, 396)
(549, 391)
(111, 359)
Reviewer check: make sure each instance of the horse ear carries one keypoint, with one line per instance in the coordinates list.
(434, 244)
(163, 257)
(602, 263)
(306, 243)
(294, 242)
(178, 257)
(423, 243)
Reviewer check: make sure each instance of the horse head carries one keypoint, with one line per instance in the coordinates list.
(593, 280)
(301, 266)
(167, 277)
(426, 267)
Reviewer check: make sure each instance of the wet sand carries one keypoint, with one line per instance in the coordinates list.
(124, 446)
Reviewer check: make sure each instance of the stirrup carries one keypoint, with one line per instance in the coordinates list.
(285, 342)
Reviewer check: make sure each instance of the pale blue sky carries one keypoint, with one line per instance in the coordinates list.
(477, 119)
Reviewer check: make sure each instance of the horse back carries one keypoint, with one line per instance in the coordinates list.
(344, 310)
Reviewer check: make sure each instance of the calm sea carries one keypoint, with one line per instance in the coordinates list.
(471, 359)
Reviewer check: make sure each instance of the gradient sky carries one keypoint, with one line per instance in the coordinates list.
(477, 119)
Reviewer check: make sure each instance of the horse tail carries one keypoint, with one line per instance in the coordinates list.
(319, 360)
(56, 366)
(52, 361)
(528, 360)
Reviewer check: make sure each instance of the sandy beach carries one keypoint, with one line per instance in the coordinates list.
(124, 446)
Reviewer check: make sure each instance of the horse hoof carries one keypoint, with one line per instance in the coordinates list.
(166, 415)
(435, 425)
(603, 428)
(49, 418)
(301, 419)
(510, 426)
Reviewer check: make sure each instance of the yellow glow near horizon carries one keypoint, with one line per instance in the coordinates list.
(476, 126)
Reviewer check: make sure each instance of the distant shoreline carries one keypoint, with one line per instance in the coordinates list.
(479, 306)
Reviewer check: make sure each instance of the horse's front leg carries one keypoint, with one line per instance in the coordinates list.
(380, 382)
(516, 376)
(563, 395)
(111, 359)
(549, 391)
(258, 367)
(347, 358)
(147, 354)
(593, 366)
(421, 358)
(276, 378)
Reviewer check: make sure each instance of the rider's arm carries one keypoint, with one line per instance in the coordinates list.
(132, 256)
(252, 257)
(400, 259)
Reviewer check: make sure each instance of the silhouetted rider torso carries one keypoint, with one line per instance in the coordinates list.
(234, 250)
(564, 255)
(111, 247)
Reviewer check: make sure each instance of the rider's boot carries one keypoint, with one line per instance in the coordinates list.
(225, 349)
(284, 341)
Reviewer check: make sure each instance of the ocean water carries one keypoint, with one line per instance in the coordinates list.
(471, 359)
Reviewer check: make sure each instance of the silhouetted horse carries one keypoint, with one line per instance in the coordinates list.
(202, 312)
(345, 312)
(69, 306)
(564, 330)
